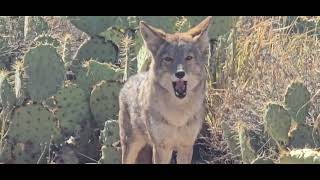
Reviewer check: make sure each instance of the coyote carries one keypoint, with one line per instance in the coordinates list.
(164, 107)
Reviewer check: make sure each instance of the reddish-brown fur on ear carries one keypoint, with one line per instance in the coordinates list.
(199, 34)
(200, 28)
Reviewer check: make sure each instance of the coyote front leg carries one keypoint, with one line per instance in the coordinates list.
(184, 155)
(161, 154)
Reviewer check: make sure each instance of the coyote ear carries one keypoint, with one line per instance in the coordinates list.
(199, 33)
(152, 37)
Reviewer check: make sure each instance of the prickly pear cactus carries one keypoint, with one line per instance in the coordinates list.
(94, 72)
(104, 101)
(72, 108)
(31, 126)
(109, 156)
(94, 25)
(109, 137)
(296, 101)
(300, 156)
(7, 97)
(97, 49)
(277, 122)
(113, 34)
(103, 71)
(44, 71)
(110, 134)
(302, 137)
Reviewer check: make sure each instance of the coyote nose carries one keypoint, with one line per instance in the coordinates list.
(180, 74)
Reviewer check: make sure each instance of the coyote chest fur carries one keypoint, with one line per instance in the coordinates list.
(164, 107)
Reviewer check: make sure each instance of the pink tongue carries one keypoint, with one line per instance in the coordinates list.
(180, 86)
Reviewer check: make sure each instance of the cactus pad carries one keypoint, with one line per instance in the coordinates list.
(296, 100)
(94, 72)
(94, 25)
(98, 49)
(72, 108)
(104, 101)
(302, 137)
(277, 122)
(110, 133)
(110, 156)
(44, 71)
(31, 126)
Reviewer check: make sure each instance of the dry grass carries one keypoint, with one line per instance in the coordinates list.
(268, 57)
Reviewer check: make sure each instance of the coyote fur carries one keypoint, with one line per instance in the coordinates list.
(164, 107)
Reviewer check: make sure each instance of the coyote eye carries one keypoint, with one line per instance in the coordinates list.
(188, 58)
(168, 59)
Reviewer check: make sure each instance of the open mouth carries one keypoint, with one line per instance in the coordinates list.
(180, 88)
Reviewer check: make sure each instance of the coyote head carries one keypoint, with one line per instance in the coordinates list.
(178, 59)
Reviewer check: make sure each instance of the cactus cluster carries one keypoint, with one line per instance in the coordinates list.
(286, 125)
(46, 107)
(53, 96)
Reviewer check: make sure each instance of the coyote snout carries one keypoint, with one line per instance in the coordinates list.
(179, 82)
(164, 107)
